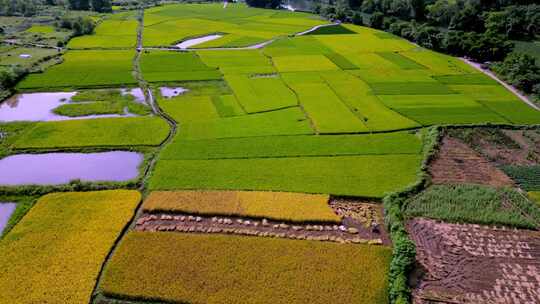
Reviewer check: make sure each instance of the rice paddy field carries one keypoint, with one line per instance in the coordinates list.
(267, 154)
(65, 237)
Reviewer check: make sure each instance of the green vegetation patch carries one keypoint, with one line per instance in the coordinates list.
(528, 177)
(262, 93)
(475, 78)
(331, 30)
(295, 146)
(401, 61)
(535, 196)
(287, 206)
(290, 121)
(227, 106)
(169, 66)
(303, 63)
(65, 237)
(365, 175)
(238, 61)
(357, 95)
(410, 88)
(341, 61)
(110, 33)
(82, 69)
(516, 111)
(210, 268)
(475, 204)
(132, 131)
(328, 113)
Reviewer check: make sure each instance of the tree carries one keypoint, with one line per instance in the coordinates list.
(357, 18)
(102, 6)
(520, 70)
(264, 3)
(376, 20)
(81, 5)
(515, 22)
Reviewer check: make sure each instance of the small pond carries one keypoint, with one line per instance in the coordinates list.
(38, 107)
(6, 209)
(61, 168)
(135, 92)
(191, 42)
(172, 92)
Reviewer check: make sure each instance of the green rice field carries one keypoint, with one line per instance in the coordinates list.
(265, 130)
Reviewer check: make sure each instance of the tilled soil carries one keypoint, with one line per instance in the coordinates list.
(361, 223)
(457, 163)
(466, 263)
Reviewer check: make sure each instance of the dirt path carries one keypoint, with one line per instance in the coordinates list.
(250, 47)
(507, 86)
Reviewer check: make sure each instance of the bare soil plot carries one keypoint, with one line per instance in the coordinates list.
(457, 163)
(464, 263)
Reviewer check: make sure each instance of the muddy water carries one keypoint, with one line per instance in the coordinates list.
(135, 92)
(191, 42)
(171, 92)
(6, 209)
(61, 168)
(39, 107)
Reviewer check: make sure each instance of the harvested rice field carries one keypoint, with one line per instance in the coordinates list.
(465, 263)
(222, 153)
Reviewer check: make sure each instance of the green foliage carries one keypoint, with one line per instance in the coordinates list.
(76, 231)
(515, 22)
(274, 4)
(210, 268)
(78, 24)
(9, 133)
(132, 131)
(25, 8)
(97, 102)
(475, 204)
(528, 177)
(520, 70)
(340, 175)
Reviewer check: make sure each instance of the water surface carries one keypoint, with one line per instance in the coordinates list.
(135, 92)
(39, 107)
(191, 42)
(6, 209)
(171, 92)
(61, 168)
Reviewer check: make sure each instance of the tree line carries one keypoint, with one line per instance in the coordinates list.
(28, 8)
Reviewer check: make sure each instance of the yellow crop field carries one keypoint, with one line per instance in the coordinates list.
(54, 254)
(190, 268)
(298, 207)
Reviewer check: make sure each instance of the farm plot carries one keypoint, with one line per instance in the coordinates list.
(457, 163)
(238, 62)
(113, 132)
(295, 146)
(260, 94)
(82, 69)
(362, 175)
(12, 56)
(169, 66)
(217, 268)
(118, 31)
(76, 232)
(475, 204)
(328, 113)
(290, 121)
(242, 25)
(295, 207)
(466, 263)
